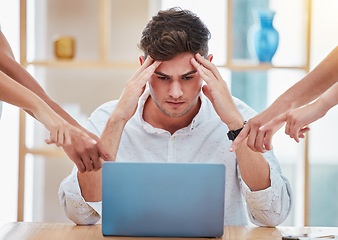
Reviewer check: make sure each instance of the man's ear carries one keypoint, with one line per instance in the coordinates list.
(142, 59)
(210, 57)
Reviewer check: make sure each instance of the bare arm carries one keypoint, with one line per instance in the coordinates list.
(297, 119)
(315, 83)
(14, 70)
(329, 99)
(306, 90)
(85, 154)
(16, 94)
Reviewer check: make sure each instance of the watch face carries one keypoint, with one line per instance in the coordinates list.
(231, 135)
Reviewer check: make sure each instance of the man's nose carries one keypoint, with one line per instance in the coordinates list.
(175, 90)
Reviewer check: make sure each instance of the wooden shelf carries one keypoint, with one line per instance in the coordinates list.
(46, 151)
(84, 64)
(240, 65)
(243, 65)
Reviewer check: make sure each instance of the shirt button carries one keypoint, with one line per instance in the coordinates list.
(172, 138)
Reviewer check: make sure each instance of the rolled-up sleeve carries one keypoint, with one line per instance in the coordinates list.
(271, 206)
(74, 205)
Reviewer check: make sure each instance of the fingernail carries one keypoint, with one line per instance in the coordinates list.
(93, 141)
(198, 54)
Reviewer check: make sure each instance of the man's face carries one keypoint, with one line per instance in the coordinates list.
(175, 86)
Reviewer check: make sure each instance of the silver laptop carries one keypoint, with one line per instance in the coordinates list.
(163, 199)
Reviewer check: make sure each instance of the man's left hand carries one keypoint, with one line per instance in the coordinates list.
(217, 91)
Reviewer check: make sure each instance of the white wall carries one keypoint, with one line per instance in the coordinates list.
(324, 40)
(9, 134)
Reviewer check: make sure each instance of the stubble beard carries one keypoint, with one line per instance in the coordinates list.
(179, 114)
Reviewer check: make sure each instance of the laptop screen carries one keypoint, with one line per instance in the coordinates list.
(163, 199)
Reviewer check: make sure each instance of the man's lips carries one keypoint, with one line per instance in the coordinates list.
(174, 103)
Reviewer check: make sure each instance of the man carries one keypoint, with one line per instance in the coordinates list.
(84, 151)
(173, 121)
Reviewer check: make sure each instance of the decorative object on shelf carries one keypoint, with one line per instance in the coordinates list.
(263, 38)
(64, 47)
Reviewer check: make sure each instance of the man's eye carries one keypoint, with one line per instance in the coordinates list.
(162, 78)
(188, 78)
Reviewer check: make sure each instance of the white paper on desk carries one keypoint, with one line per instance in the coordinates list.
(319, 237)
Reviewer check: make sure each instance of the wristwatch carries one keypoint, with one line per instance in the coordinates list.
(232, 134)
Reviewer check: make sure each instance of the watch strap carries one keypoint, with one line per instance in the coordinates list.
(232, 134)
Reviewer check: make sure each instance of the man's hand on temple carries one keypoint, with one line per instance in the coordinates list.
(134, 88)
(217, 91)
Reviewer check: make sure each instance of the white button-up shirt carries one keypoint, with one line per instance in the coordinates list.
(204, 140)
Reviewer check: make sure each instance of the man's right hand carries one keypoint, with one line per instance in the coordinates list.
(86, 151)
(91, 183)
(86, 154)
(134, 88)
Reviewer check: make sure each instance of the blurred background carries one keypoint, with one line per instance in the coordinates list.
(106, 35)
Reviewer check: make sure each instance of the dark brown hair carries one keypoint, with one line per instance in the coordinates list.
(172, 32)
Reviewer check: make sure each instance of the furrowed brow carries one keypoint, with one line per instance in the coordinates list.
(189, 73)
(183, 75)
(162, 74)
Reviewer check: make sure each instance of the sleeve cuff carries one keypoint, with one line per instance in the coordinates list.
(263, 199)
(97, 206)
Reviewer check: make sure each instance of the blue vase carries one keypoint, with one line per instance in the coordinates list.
(263, 36)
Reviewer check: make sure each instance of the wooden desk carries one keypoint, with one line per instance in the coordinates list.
(62, 231)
